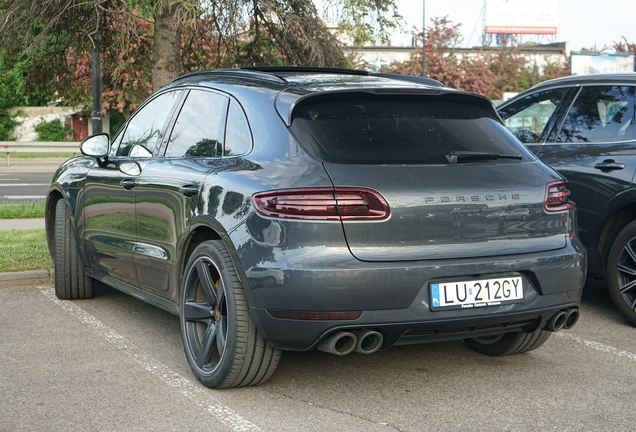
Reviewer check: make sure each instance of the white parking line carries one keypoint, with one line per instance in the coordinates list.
(598, 346)
(10, 197)
(195, 393)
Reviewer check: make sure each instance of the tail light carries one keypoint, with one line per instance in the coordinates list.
(326, 204)
(556, 197)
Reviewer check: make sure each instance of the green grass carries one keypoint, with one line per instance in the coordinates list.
(22, 250)
(25, 210)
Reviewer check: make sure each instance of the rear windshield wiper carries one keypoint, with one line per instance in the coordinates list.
(459, 156)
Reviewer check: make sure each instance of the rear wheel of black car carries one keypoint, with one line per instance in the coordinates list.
(508, 343)
(621, 272)
(71, 282)
(220, 340)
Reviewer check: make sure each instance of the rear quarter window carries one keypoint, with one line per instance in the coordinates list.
(398, 130)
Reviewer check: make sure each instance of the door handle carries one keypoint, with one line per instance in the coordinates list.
(128, 184)
(609, 165)
(189, 191)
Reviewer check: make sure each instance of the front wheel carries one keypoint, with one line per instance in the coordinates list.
(621, 272)
(508, 343)
(71, 282)
(220, 340)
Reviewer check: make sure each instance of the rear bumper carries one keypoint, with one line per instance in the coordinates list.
(394, 298)
(294, 335)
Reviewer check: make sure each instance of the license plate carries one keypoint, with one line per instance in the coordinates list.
(476, 293)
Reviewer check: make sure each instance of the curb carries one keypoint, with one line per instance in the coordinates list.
(26, 278)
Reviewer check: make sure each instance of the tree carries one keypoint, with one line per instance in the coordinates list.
(179, 35)
(625, 47)
(486, 72)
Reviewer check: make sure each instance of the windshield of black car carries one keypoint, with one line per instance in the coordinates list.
(399, 129)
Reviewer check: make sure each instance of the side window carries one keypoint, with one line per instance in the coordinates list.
(600, 114)
(238, 139)
(199, 128)
(143, 132)
(528, 117)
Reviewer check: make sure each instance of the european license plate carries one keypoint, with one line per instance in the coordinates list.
(476, 293)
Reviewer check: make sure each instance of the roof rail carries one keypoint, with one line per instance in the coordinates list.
(237, 73)
(275, 69)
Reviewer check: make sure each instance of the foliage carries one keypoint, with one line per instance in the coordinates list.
(58, 37)
(625, 47)
(205, 148)
(7, 124)
(364, 20)
(489, 72)
(125, 66)
(52, 130)
(11, 95)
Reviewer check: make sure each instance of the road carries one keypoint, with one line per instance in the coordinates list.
(115, 363)
(18, 187)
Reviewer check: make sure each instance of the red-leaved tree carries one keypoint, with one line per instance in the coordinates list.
(489, 72)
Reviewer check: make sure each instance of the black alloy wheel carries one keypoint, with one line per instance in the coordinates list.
(205, 315)
(621, 272)
(220, 340)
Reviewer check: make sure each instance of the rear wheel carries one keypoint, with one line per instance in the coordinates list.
(71, 282)
(508, 343)
(220, 340)
(621, 272)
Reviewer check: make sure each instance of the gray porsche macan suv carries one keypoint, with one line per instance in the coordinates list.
(298, 208)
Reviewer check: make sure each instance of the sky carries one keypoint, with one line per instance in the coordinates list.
(583, 23)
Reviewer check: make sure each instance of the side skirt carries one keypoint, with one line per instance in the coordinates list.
(138, 293)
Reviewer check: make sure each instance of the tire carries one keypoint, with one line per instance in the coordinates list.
(508, 343)
(71, 281)
(220, 340)
(621, 272)
(268, 281)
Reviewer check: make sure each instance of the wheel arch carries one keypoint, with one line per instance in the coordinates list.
(49, 217)
(205, 231)
(612, 225)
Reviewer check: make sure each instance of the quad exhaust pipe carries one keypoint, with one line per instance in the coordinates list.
(369, 341)
(343, 342)
(565, 319)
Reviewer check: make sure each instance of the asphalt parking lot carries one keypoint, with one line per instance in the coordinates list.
(115, 363)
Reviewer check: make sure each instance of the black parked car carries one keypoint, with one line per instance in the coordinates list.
(584, 127)
(299, 208)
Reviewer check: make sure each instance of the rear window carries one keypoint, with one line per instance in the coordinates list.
(399, 130)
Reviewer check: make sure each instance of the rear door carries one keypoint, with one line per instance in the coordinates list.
(595, 149)
(168, 190)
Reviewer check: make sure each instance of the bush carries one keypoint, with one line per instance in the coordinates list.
(7, 123)
(52, 130)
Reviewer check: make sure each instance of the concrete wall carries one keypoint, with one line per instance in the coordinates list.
(29, 117)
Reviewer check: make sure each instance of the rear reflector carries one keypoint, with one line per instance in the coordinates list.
(556, 197)
(315, 315)
(325, 204)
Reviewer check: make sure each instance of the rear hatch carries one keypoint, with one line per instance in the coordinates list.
(457, 184)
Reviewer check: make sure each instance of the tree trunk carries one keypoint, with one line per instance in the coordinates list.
(165, 52)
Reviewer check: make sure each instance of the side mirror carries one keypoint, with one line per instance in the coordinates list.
(97, 145)
(129, 168)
